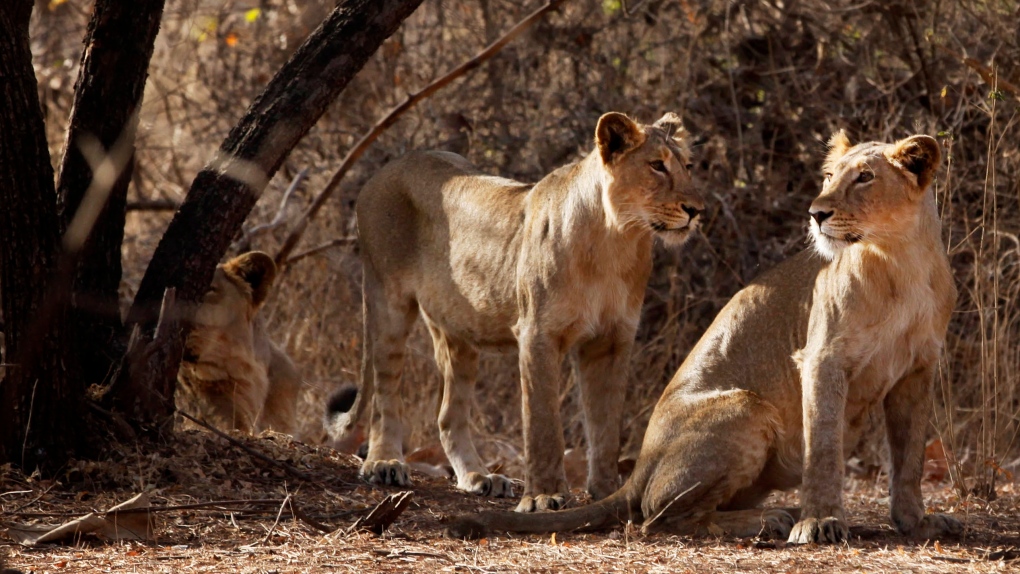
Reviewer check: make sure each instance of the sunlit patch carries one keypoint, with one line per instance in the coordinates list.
(829, 246)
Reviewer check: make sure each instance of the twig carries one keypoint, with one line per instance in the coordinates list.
(322, 247)
(401, 553)
(359, 149)
(384, 513)
(277, 521)
(33, 501)
(300, 515)
(194, 506)
(289, 469)
(630, 10)
(987, 74)
(214, 505)
(244, 244)
(671, 502)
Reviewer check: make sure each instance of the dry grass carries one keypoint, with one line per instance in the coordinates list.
(255, 537)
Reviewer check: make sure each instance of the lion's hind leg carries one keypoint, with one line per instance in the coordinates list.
(458, 363)
(713, 446)
(388, 321)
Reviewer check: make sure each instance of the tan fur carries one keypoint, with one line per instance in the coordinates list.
(491, 263)
(232, 374)
(786, 374)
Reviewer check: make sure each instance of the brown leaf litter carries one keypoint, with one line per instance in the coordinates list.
(217, 508)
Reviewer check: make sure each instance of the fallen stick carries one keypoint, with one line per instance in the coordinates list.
(384, 514)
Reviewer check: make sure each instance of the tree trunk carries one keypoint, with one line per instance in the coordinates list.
(40, 415)
(224, 192)
(107, 95)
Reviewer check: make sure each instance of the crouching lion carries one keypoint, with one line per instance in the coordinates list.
(491, 263)
(232, 375)
(785, 375)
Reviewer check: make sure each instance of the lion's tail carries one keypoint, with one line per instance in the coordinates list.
(615, 509)
(345, 407)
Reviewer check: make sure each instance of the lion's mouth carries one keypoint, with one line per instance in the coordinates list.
(663, 228)
(849, 237)
(674, 235)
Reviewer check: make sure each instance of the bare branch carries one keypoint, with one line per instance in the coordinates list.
(412, 99)
(244, 244)
(987, 74)
(322, 247)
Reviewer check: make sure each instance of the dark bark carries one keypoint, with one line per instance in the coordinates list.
(40, 415)
(111, 78)
(224, 192)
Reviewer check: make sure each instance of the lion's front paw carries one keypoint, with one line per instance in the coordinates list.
(390, 472)
(541, 502)
(828, 530)
(494, 485)
(776, 523)
(933, 526)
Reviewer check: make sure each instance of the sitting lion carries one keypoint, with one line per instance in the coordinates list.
(232, 375)
(785, 375)
(491, 263)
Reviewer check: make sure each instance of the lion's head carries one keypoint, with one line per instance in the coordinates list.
(872, 192)
(238, 289)
(221, 378)
(649, 181)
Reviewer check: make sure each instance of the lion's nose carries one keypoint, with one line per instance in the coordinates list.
(691, 212)
(821, 216)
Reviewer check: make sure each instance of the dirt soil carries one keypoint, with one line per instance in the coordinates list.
(245, 514)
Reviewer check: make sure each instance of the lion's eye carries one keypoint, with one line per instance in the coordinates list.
(828, 175)
(689, 166)
(865, 177)
(659, 165)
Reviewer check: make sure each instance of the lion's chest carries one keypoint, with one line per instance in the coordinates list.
(885, 347)
(605, 302)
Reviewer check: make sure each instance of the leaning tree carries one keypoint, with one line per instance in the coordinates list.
(60, 242)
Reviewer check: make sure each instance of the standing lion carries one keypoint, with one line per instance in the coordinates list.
(491, 263)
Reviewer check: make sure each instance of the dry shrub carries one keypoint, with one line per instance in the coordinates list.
(761, 85)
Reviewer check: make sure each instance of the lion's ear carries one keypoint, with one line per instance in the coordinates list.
(671, 124)
(257, 270)
(838, 144)
(919, 155)
(617, 134)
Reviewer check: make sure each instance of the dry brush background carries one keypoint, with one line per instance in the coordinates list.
(761, 85)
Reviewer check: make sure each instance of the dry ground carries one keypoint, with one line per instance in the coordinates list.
(248, 531)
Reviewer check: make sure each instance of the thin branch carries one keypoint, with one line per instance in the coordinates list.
(359, 149)
(277, 521)
(244, 244)
(322, 247)
(211, 505)
(987, 74)
(303, 517)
